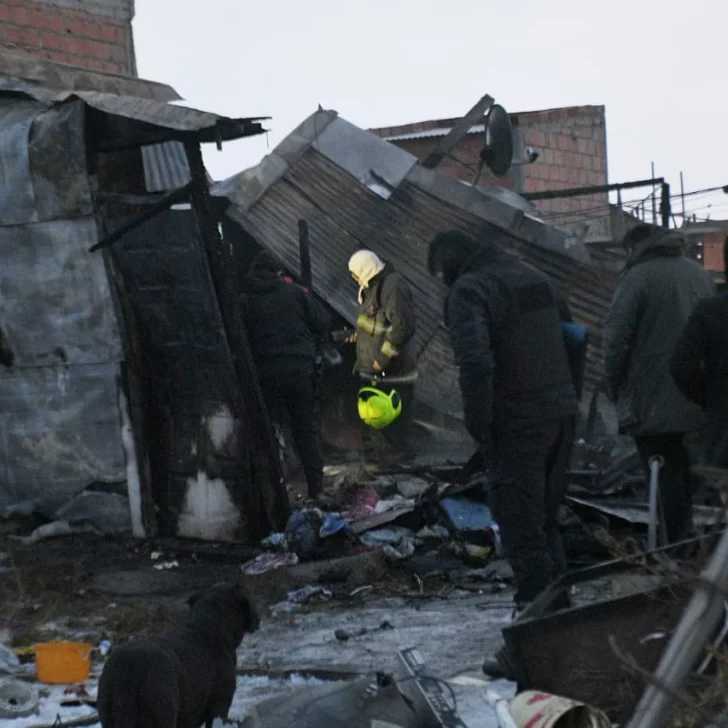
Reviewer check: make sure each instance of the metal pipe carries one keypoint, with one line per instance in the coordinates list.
(655, 464)
(696, 627)
(501, 709)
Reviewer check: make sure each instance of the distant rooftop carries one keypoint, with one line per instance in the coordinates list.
(440, 127)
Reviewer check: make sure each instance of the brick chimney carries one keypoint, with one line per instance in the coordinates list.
(92, 34)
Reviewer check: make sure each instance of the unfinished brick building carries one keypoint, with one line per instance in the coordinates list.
(572, 147)
(92, 34)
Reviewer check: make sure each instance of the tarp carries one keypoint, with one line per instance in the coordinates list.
(60, 421)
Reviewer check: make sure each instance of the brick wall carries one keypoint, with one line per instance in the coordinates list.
(573, 147)
(573, 153)
(713, 251)
(98, 37)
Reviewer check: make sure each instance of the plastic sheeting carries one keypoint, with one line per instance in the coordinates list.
(60, 425)
(42, 162)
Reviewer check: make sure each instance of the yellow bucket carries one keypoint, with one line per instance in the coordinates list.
(63, 663)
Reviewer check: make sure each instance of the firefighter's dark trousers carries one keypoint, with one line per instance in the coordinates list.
(296, 396)
(529, 483)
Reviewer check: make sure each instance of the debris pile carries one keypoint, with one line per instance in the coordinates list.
(400, 514)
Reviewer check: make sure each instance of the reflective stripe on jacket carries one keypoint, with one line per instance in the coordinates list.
(386, 325)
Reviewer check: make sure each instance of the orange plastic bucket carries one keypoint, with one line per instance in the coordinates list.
(63, 663)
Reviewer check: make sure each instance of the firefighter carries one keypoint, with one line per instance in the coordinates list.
(385, 330)
(518, 396)
(284, 325)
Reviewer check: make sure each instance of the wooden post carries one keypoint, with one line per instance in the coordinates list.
(266, 493)
(304, 251)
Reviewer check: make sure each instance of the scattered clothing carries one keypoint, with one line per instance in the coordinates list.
(658, 292)
(699, 367)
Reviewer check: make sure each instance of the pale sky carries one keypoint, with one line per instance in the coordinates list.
(658, 67)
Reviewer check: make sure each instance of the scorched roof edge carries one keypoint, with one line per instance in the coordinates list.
(180, 119)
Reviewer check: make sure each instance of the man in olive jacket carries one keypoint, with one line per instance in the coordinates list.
(385, 330)
(658, 291)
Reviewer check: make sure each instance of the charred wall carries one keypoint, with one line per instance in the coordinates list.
(201, 462)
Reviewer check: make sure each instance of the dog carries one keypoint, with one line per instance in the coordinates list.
(184, 677)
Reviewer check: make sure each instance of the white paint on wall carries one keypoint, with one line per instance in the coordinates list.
(133, 481)
(208, 511)
(220, 427)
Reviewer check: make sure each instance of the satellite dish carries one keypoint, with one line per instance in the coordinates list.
(497, 150)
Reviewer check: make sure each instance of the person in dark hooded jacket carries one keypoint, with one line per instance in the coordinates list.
(518, 397)
(284, 326)
(656, 295)
(699, 366)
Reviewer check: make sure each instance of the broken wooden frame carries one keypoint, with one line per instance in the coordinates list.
(266, 497)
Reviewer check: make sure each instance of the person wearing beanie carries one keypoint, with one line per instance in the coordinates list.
(285, 326)
(385, 331)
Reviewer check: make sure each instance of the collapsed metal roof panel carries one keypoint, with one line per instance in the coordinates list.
(147, 111)
(356, 190)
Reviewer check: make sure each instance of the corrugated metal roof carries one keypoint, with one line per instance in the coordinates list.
(306, 178)
(429, 133)
(165, 166)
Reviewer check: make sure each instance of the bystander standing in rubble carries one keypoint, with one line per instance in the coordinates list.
(699, 367)
(285, 325)
(658, 291)
(385, 330)
(518, 397)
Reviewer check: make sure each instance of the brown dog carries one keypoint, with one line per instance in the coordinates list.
(184, 677)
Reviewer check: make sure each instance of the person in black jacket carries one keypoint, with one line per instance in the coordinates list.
(699, 366)
(284, 325)
(518, 397)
